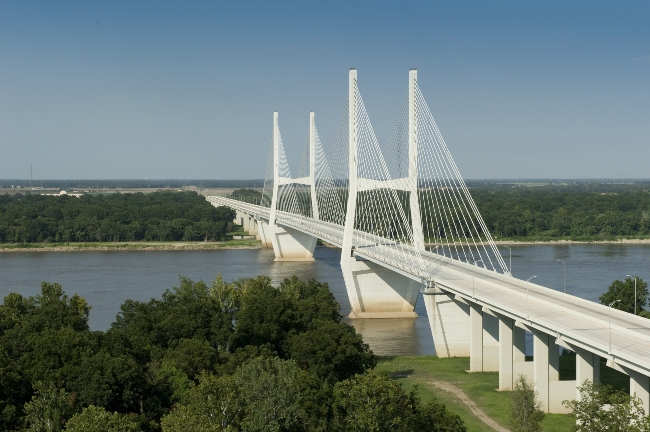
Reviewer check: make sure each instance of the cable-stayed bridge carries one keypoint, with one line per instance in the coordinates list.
(406, 223)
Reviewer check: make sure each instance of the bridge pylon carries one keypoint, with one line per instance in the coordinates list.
(374, 291)
(288, 244)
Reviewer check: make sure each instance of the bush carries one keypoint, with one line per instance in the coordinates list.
(525, 414)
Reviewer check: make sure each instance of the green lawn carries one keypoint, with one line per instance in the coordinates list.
(480, 387)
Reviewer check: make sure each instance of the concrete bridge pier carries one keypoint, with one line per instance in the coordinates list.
(290, 244)
(512, 357)
(264, 234)
(239, 218)
(519, 364)
(250, 225)
(546, 374)
(506, 352)
(449, 319)
(587, 368)
(640, 386)
(377, 292)
(484, 339)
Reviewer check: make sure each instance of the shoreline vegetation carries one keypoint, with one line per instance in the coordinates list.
(145, 246)
(168, 220)
(245, 244)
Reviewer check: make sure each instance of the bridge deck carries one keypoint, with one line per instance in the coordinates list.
(571, 319)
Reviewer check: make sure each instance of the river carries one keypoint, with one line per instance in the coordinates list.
(107, 278)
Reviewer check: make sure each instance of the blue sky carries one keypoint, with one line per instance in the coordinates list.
(519, 89)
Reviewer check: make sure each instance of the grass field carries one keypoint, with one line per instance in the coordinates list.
(479, 387)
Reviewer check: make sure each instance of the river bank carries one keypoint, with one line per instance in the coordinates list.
(567, 242)
(247, 244)
(144, 246)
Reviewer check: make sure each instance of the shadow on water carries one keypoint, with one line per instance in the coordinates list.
(388, 336)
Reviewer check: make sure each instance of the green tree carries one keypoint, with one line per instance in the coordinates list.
(624, 413)
(97, 419)
(279, 396)
(433, 416)
(269, 315)
(248, 195)
(624, 291)
(115, 382)
(49, 408)
(42, 338)
(525, 414)
(14, 389)
(216, 403)
(185, 312)
(332, 350)
(372, 402)
(192, 356)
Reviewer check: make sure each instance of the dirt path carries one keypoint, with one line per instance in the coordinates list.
(450, 388)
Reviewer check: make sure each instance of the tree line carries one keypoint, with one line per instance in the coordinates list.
(551, 212)
(129, 183)
(241, 356)
(581, 212)
(515, 213)
(158, 216)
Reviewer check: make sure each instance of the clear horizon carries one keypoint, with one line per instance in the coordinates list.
(163, 90)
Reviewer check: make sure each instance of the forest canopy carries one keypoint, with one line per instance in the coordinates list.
(564, 212)
(525, 213)
(157, 216)
(241, 356)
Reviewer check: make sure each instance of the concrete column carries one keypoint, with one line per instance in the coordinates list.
(587, 368)
(506, 355)
(519, 348)
(490, 342)
(377, 292)
(449, 321)
(252, 226)
(264, 234)
(541, 350)
(553, 360)
(475, 338)
(640, 386)
(546, 368)
(247, 223)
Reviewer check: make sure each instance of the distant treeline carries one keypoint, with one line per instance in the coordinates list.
(591, 185)
(543, 212)
(130, 183)
(579, 211)
(158, 216)
(551, 212)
